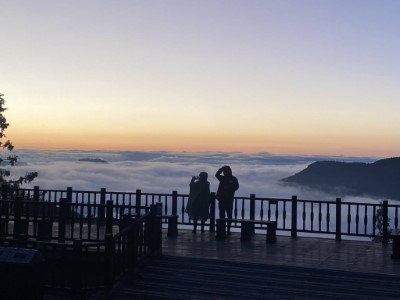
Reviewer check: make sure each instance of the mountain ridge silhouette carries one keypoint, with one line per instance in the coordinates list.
(380, 179)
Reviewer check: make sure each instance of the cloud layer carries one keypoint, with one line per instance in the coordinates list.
(163, 172)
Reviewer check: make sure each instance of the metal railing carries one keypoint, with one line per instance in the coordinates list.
(332, 219)
(82, 251)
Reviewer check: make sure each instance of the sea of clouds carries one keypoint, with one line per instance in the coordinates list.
(164, 172)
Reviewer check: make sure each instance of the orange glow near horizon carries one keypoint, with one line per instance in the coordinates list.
(185, 142)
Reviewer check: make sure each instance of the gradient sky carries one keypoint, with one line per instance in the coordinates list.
(283, 76)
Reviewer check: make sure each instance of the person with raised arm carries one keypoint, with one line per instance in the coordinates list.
(228, 185)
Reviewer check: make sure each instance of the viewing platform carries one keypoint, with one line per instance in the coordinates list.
(108, 245)
(359, 263)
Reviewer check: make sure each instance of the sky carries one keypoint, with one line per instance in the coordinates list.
(285, 77)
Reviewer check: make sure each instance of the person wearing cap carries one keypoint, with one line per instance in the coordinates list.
(228, 185)
(199, 200)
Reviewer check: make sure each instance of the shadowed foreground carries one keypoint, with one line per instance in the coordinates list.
(198, 267)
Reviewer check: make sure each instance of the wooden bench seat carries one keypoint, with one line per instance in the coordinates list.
(247, 229)
(395, 235)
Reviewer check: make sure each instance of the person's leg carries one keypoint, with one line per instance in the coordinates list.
(202, 226)
(229, 209)
(223, 213)
(194, 225)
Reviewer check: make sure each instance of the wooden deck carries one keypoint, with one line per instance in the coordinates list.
(317, 253)
(346, 255)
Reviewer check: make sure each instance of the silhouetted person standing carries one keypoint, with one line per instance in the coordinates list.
(228, 185)
(199, 200)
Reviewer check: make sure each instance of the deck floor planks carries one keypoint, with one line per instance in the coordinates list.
(346, 255)
(308, 252)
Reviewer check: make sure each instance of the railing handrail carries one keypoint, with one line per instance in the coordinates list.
(312, 216)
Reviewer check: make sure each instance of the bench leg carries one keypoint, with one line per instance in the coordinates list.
(271, 233)
(172, 227)
(246, 231)
(396, 247)
(221, 230)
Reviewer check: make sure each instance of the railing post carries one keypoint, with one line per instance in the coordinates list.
(102, 209)
(159, 210)
(158, 227)
(4, 197)
(76, 274)
(109, 216)
(154, 230)
(19, 226)
(138, 201)
(212, 212)
(69, 194)
(130, 238)
(109, 253)
(68, 211)
(252, 211)
(150, 228)
(252, 206)
(36, 195)
(294, 217)
(135, 242)
(4, 191)
(174, 203)
(338, 219)
(17, 217)
(62, 220)
(385, 221)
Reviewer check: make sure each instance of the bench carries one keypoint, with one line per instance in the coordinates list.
(247, 229)
(395, 235)
(172, 221)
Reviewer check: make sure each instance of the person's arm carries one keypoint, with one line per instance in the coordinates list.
(218, 174)
(236, 184)
(192, 182)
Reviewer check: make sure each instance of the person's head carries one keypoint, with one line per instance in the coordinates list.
(227, 170)
(203, 176)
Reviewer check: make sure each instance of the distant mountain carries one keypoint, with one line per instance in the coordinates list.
(94, 160)
(380, 179)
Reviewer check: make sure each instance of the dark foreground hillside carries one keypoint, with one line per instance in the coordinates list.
(380, 179)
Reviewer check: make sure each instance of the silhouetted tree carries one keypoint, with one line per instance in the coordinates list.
(10, 160)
